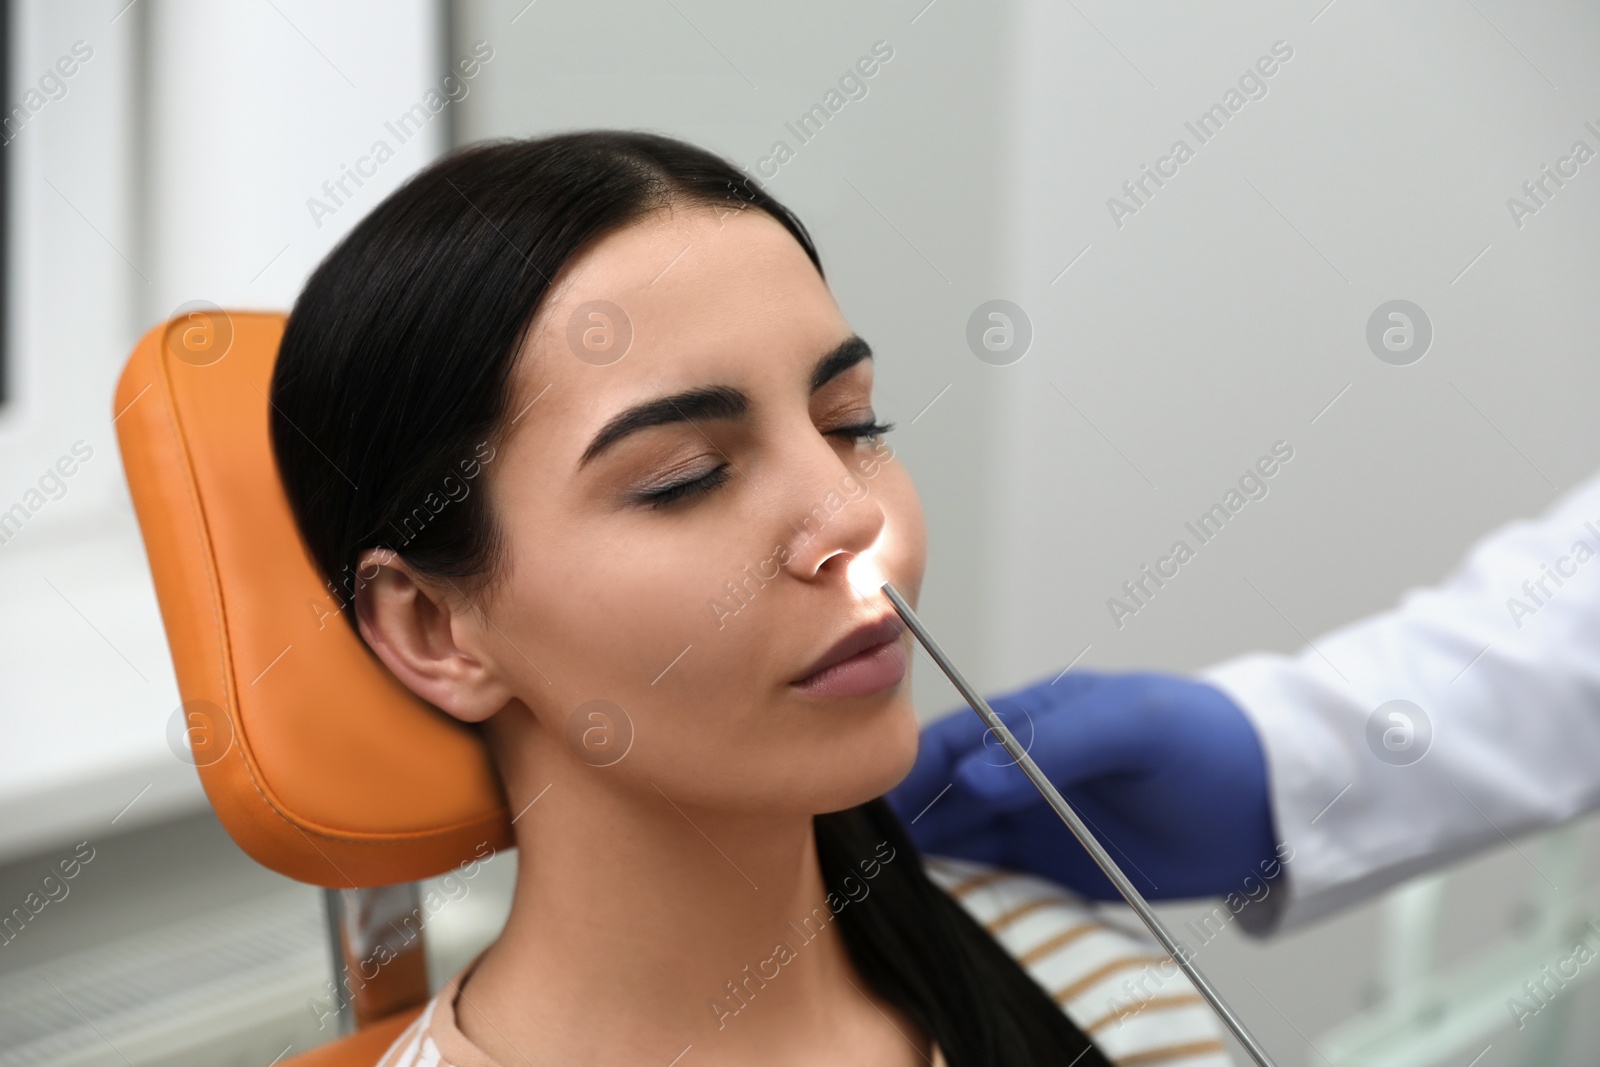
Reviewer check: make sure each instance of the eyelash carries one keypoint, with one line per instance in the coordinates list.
(860, 430)
(660, 498)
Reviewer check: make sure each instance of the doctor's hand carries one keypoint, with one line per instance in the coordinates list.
(1167, 772)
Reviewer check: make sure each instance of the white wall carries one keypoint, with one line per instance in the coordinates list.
(253, 108)
(1230, 310)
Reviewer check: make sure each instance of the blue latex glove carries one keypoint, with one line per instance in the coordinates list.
(1168, 773)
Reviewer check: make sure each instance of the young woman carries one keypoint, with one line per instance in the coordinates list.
(584, 410)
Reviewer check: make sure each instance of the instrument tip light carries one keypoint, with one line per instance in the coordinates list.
(864, 574)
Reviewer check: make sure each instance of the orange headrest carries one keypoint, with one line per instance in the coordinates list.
(320, 764)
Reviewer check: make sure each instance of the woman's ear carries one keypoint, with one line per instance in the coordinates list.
(434, 648)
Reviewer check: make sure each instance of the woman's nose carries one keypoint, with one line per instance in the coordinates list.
(832, 517)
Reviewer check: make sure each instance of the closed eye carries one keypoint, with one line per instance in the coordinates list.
(705, 483)
(862, 431)
(671, 494)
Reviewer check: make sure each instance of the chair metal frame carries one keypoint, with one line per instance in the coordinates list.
(378, 954)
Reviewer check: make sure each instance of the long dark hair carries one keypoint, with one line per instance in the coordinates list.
(394, 370)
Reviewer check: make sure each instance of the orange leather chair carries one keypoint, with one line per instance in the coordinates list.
(318, 762)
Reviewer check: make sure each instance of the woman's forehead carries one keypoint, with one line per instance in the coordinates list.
(708, 267)
(677, 301)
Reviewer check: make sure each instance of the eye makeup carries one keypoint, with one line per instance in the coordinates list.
(683, 489)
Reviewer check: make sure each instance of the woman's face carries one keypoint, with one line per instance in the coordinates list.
(688, 566)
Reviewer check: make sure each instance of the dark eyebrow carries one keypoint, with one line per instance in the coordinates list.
(712, 402)
(716, 401)
(846, 354)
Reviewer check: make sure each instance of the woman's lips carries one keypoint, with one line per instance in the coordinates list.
(869, 671)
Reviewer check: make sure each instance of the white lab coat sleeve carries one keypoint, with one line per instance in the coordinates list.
(1503, 658)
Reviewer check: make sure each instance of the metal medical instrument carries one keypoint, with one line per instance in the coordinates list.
(1175, 948)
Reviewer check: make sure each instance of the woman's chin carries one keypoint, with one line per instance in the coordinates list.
(866, 763)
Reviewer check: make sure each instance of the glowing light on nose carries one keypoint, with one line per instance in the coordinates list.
(864, 574)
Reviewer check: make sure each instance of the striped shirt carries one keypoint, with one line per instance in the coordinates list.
(1118, 988)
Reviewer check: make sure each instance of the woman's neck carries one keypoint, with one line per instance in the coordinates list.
(643, 927)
